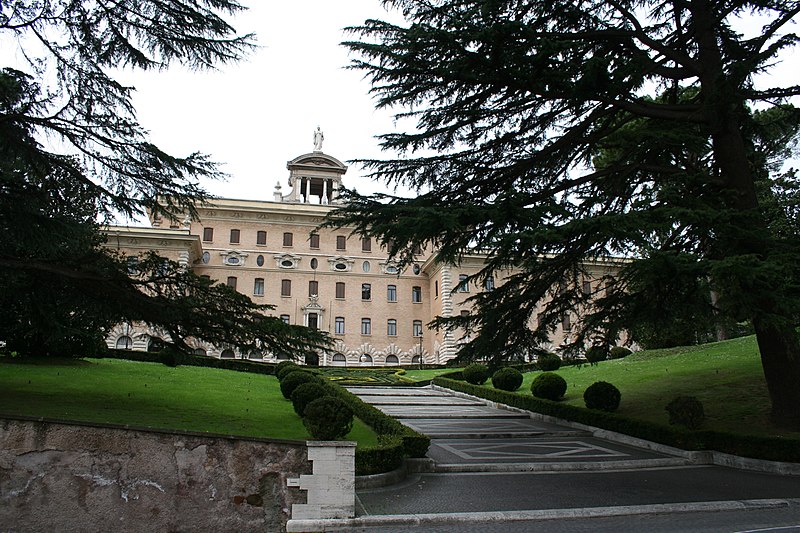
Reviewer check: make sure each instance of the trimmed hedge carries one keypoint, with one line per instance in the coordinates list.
(768, 448)
(294, 379)
(549, 386)
(602, 395)
(239, 365)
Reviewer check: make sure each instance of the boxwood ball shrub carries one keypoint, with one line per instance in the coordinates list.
(603, 396)
(548, 362)
(618, 352)
(476, 374)
(328, 418)
(305, 393)
(549, 386)
(595, 354)
(507, 378)
(284, 367)
(686, 411)
(294, 379)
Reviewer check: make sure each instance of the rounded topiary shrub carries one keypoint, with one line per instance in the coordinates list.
(170, 356)
(507, 379)
(686, 411)
(328, 418)
(595, 354)
(294, 379)
(305, 393)
(549, 386)
(602, 395)
(284, 367)
(618, 352)
(548, 362)
(476, 374)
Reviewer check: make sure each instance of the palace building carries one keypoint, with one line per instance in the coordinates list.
(273, 252)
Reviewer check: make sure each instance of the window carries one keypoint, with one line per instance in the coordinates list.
(462, 283)
(260, 260)
(286, 287)
(287, 239)
(339, 325)
(587, 287)
(489, 283)
(258, 287)
(261, 237)
(392, 360)
(417, 328)
(124, 343)
(366, 291)
(232, 282)
(365, 266)
(391, 293)
(416, 269)
(391, 327)
(314, 263)
(366, 326)
(234, 236)
(227, 354)
(314, 240)
(416, 294)
(566, 324)
(340, 289)
(341, 242)
(206, 258)
(285, 319)
(313, 321)
(208, 234)
(313, 288)
(366, 244)
(436, 288)
(133, 265)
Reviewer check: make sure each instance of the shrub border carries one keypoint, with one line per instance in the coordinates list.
(767, 448)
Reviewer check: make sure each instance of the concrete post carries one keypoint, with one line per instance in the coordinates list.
(331, 487)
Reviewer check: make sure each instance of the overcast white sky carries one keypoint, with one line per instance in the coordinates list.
(257, 115)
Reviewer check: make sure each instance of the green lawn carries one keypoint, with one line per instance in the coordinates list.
(157, 396)
(422, 375)
(726, 376)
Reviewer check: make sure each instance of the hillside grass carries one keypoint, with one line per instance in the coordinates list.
(155, 396)
(726, 376)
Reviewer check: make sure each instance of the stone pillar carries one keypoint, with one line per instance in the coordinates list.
(448, 349)
(324, 199)
(331, 487)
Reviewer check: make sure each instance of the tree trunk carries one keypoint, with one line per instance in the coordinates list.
(780, 358)
(774, 325)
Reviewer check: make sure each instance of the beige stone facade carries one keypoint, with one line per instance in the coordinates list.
(274, 252)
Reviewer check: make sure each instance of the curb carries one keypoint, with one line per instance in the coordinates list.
(533, 515)
(578, 466)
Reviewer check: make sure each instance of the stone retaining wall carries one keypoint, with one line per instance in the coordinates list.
(69, 477)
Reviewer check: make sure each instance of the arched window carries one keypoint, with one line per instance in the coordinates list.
(124, 343)
(227, 354)
(282, 357)
(339, 359)
(392, 360)
(415, 360)
(200, 351)
(365, 359)
(255, 355)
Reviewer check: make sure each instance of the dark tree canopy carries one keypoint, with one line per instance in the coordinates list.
(553, 133)
(73, 156)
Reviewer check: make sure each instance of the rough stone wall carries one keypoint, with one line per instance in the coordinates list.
(81, 478)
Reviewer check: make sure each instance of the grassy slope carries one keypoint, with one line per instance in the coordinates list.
(154, 395)
(726, 376)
